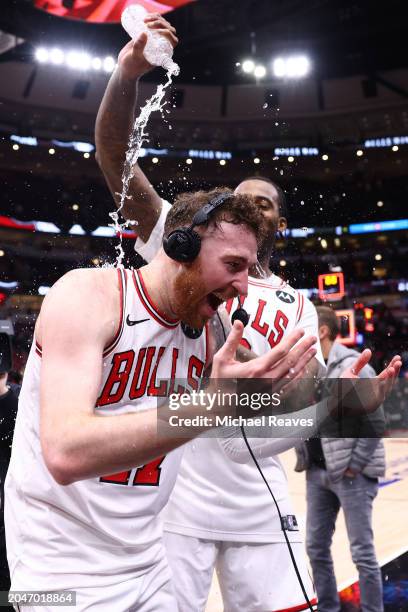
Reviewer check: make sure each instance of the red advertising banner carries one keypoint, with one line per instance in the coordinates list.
(103, 11)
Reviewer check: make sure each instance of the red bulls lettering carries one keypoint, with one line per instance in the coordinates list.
(119, 375)
(256, 323)
(280, 324)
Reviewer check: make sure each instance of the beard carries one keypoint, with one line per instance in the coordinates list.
(188, 293)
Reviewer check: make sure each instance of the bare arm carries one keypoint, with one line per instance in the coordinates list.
(113, 127)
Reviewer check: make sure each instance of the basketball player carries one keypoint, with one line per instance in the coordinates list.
(220, 513)
(79, 516)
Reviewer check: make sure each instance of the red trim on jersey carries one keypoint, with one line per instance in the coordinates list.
(122, 277)
(38, 348)
(300, 307)
(265, 284)
(300, 607)
(149, 305)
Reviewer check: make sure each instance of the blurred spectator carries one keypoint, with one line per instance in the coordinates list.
(8, 410)
(343, 472)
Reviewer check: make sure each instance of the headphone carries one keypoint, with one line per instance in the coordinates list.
(184, 244)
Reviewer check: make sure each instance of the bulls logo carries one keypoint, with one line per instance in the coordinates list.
(285, 297)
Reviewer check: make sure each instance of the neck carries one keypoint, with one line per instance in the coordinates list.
(158, 276)
(264, 257)
(326, 345)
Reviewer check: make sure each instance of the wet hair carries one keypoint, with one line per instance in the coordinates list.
(327, 316)
(239, 209)
(283, 209)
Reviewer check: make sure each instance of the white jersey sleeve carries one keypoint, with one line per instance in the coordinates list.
(299, 426)
(148, 249)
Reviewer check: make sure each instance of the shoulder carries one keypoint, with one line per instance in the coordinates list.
(85, 297)
(94, 282)
(272, 282)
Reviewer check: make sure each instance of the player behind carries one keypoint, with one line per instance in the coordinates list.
(221, 513)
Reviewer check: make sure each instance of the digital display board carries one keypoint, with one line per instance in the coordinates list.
(103, 11)
(331, 286)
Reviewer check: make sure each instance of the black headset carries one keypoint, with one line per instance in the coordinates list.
(184, 244)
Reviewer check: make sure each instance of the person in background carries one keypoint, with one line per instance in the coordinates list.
(343, 473)
(8, 410)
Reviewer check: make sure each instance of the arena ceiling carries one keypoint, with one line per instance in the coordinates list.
(342, 38)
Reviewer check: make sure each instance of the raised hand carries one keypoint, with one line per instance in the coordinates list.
(367, 394)
(281, 364)
(131, 61)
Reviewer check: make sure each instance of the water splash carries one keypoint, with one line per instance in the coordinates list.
(260, 272)
(137, 138)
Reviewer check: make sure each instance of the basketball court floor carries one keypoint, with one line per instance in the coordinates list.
(390, 530)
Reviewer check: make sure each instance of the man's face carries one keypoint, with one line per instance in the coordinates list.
(267, 200)
(219, 273)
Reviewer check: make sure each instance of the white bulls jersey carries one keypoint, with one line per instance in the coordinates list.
(215, 497)
(96, 531)
(220, 499)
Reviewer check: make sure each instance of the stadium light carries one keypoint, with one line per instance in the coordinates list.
(42, 55)
(57, 56)
(248, 66)
(108, 64)
(96, 63)
(260, 71)
(291, 67)
(76, 60)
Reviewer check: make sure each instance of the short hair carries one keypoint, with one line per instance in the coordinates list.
(327, 316)
(283, 208)
(239, 209)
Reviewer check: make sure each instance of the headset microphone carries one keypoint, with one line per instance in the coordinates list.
(240, 315)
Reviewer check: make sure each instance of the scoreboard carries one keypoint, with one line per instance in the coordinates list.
(331, 286)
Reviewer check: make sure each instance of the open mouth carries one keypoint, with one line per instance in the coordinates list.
(214, 301)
